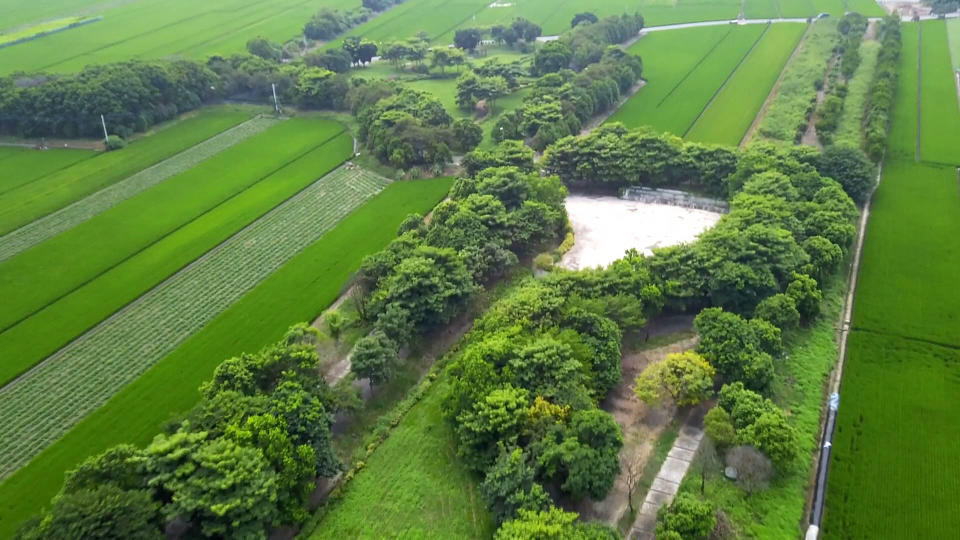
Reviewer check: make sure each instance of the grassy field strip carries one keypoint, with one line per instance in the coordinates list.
(850, 128)
(787, 114)
(18, 14)
(728, 117)
(953, 36)
(298, 291)
(669, 58)
(49, 399)
(41, 275)
(414, 483)
(43, 333)
(939, 109)
(902, 141)
(54, 191)
(24, 165)
(66, 218)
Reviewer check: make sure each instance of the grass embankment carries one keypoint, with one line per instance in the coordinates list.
(777, 512)
(45, 330)
(850, 128)
(54, 191)
(297, 292)
(684, 69)
(730, 114)
(939, 111)
(786, 118)
(24, 165)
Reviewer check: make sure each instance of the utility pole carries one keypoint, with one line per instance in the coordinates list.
(104, 124)
(276, 104)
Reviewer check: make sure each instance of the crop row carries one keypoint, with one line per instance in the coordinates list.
(48, 400)
(730, 114)
(41, 334)
(297, 292)
(786, 118)
(66, 218)
(54, 191)
(47, 272)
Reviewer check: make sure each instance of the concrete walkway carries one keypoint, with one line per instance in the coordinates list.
(667, 482)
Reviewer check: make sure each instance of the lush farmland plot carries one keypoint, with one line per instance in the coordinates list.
(684, 69)
(761, 9)
(53, 224)
(850, 128)
(870, 8)
(54, 191)
(21, 166)
(414, 483)
(730, 114)
(162, 28)
(26, 343)
(298, 291)
(786, 118)
(42, 274)
(17, 13)
(939, 109)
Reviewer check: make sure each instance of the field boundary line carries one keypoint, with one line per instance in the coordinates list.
(917, 136)
(694, 67)
(775, 90)
(727, 80)
(816, 496)
(174, 231)
(9, 245)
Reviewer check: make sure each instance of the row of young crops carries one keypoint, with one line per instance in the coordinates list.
(83, 375)
(66, 218)
(896, 444)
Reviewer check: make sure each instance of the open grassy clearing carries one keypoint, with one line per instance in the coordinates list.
(54, 191)
(729, 116)
(414, 483)
(902, 140)
(850, 128)
(24, 165)
(97, 365)
(786, 118)
(41, 275)
(896, 443)
(684, 68)
(777, 513)
(298, 291)
(26, 343)
(939, 109)
(66, 218)
(162, 28)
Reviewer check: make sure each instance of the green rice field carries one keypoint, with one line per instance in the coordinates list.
(296, 292)
(41, 196)
(684, 69)
(18, 14)
(733, 109)
(24, 165)
(939, 112)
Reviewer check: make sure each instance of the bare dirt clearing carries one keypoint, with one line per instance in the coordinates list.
(605, 227)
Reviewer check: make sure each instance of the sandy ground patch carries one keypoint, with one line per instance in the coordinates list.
(605, 227)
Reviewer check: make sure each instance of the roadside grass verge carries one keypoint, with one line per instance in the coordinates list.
(786, 118)
(296, 292)
(54, 191)
(731, 113)
(36, 337)
(939, 109)
(684, 69)
(46, 272)
(850, 128)
(778, 512)
(24, 165)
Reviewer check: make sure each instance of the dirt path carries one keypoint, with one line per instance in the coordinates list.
(641, 426)
(774, 91)
(810, 137)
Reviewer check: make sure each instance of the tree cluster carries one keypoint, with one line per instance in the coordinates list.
(426, 276)
(828, 113)
(380, 5)
(408, 128)
(585, 43)
(877, 115)
(520, 32)
(560, 103)
(329, 23)
(240, 463)
(744, 417)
